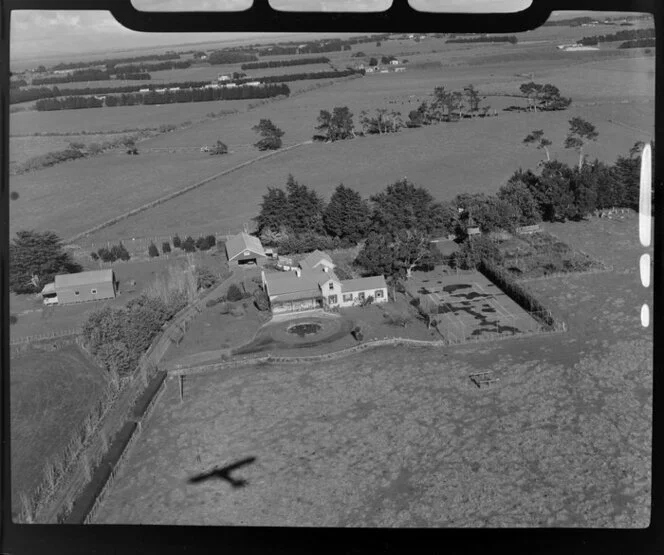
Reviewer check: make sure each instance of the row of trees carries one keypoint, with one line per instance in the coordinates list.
(160, 66)
(639, 43)
(485, 38)
(75, 77)
(133, 76)
(168, 97)
(544, 97)
(37, 93)
(626, 34)
(226, 57)
(112, 62)
(286, 63)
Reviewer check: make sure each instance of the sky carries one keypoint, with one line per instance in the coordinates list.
(48, 34)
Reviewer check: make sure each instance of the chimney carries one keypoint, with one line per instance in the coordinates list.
(325, 269)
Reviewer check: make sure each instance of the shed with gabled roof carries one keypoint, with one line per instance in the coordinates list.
(245, 249)
(94, 285)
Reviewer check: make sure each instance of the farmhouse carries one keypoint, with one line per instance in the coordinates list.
(315, 285)
(84, 286)
(244, 249)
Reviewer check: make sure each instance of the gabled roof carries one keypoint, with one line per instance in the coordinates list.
(308, 284)
(84, 278)
(363, 284)
(242, 242)
(315, 258)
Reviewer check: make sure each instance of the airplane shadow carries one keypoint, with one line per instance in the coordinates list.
(224, 473)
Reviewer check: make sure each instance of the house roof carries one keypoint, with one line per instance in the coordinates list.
(84, 278)
(242, 242)
(49, 289)
(363, 284)
(315, 258)
(305, 286)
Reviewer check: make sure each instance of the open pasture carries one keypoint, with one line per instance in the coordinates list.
(401, 436)
(51, 393)
(437, 157)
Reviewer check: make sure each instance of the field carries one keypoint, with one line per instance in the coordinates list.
(616, 95)
(52, 392)
(402, 437)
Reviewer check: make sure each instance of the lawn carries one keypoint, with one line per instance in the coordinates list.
(51, 394)
(402, 437)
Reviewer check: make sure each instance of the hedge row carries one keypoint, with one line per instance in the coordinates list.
(524, 298)
(286, 63)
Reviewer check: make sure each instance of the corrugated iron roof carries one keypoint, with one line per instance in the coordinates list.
(363, 284)
(242, 242)
(84, 278)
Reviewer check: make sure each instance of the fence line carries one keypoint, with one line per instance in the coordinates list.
(567, 274)
(44, 336)
(180, 192)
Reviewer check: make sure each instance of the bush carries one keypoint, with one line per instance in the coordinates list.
(261, 300)
(120, 252)
(189, 245)
(366, 302)
(203, 244)
(212, 302)
(234, 293)
(13, 319)
(177, 242)
(165, 247)
(205, 278)
(106, 255)
(224, 308)
(94, 256)
(152, 250)
(212, 240)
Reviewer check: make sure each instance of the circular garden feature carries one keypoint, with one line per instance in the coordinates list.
(303, 329)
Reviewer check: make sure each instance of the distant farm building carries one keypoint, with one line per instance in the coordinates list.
(95, 285)
(224, 77)
(399, 69)
(244, 249)
(394, 62)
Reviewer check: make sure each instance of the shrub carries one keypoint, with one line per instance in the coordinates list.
(94, 148)
(165, 247)
(224, 308)
(234, 293)
(94, 256)
(366, 302)
(13, 319)
(106, 255)
(119, 252)
(212, 240)
(189, 245)
(152, 250)
(203, 244)
(261, 300)
(205, 278)
(177, 242)
(210, 303)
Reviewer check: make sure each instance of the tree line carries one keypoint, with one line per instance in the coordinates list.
(285, 63)
(639, 43)
(225, 57)
(626, 34)
(133, 76)
(35, 93)
(111, 62)
(168, 97)
(512, 39)
(396, 225)
(105, 74)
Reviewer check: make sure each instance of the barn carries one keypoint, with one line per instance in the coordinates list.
(85, 286)
(244, 249)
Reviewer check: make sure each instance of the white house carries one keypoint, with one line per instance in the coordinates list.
(315, 285)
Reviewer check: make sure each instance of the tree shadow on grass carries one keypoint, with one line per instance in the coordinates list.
(224, 473)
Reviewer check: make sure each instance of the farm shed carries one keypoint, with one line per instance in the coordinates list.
(245, 249)
(85, 286)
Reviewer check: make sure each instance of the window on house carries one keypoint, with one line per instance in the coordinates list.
(379, 293)
(348, 297)
(360, 296)
(93, 291)
(331, 286)
(332, 299)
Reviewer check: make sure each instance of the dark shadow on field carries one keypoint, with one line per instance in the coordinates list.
(224, 473)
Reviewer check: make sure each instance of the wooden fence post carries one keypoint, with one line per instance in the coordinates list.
(181, 388)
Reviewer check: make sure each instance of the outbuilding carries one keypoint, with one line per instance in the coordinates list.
(94, 285)
(245, 249)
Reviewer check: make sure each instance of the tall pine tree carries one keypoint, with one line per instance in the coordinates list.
(35, 257)
(347, 215)
(274, 210)
(305, 208)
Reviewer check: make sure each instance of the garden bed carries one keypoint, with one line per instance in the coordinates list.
(542, 254)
